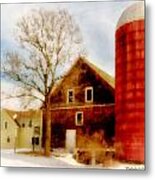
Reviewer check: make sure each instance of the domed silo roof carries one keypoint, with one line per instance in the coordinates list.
(132, 13)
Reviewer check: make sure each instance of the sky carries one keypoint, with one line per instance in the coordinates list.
(97, 22)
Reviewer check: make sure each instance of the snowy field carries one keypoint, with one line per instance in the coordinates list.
(11, 159)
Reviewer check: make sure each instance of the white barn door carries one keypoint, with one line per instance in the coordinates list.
(70, 139)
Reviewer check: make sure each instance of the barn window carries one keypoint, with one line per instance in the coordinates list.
(89, 94)
(70, 96)
(79, 118)
(8, 139)
(6, 125)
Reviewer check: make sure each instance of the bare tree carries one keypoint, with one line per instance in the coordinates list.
(50, 38)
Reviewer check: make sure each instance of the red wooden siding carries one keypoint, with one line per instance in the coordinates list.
(91, 114)
(81, 77)
(98, 114)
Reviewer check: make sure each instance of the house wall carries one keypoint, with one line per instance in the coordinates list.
(20, 137)
(25, 137)
(9, 132)
(26, 133)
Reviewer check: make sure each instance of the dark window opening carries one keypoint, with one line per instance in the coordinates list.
(23, 125)
(70, 96)
(8, 140)
(30, 123)
(89, 94)
(79, 118)
(6, 125)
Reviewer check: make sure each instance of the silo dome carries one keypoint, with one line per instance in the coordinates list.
(132, 13)
(129, 84)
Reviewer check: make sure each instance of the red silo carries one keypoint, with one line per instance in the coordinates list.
(129, 90)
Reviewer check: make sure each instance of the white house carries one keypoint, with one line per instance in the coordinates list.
(9, 129)
(21, 129)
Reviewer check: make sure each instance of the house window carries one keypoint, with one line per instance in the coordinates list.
(89, 94)
(6, 125)
(37, 130)
(23, 125)
(8, 139)
(30, 123)
(79, 118)
(70, 96)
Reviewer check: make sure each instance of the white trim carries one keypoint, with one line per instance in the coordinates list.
(92, 94)
(82, 106)
(76, 120)
(70, 90)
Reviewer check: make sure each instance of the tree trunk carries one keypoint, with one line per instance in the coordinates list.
(47, 145)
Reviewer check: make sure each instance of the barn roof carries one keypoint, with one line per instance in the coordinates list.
(104, 76)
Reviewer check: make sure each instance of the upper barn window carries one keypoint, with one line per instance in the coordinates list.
(89, 94)
(70, 95)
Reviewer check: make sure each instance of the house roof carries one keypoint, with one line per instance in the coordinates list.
(22, 114)
(104, 76)
(4, 113)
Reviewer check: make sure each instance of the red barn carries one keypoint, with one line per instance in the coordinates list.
(83, 100)
(129, 90)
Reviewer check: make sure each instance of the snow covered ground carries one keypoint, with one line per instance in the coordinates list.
(11, 159)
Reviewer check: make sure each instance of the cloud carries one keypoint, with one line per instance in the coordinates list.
(97, 21)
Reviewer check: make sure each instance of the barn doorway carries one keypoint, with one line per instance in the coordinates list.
(70, 140)
(108, 127)
(58, 136)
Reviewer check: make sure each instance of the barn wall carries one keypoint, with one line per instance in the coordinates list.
(92, 114)
(80, 77)
(94, 118)
(98, 114)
